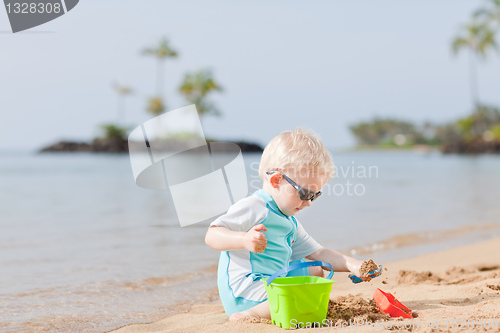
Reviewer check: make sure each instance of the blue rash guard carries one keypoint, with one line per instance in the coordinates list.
(240, 271)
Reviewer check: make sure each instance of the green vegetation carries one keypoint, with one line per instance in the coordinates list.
(387, 132)
(113, 132)
(478, 38)
(475, 133)
(156, 105)
(195, 88)
(481, 127)
(483, 123)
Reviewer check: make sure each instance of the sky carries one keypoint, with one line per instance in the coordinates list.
(283, 64)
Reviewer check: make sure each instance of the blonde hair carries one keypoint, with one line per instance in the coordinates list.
(298, 150)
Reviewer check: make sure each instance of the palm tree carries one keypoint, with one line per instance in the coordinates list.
(161, 52)
(156, 106)
(113, 132)
(478, 38)
(490, 15)
(195, 88)
(122, 92)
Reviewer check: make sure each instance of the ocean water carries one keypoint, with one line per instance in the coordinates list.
(82, 248)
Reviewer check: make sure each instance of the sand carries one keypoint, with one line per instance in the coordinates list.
(367, 267)
(457, 290)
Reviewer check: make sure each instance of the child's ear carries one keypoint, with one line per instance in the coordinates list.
(275, 180)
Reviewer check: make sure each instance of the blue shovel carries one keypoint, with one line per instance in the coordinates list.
(372, 274)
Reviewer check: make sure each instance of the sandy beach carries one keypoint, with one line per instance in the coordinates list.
(454, 290)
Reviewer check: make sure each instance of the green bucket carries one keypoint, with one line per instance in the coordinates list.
(299, 300)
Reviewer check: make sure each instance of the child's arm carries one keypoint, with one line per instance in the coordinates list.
(223, 239)
(340, 262)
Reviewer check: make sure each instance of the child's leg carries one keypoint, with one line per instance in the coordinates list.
(306, 271)
(316, 271)
(258, 312)
(261, 311)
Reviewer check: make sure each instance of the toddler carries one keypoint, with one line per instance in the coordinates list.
(260, 235)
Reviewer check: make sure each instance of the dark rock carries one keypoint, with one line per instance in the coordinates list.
(246, 147)
(112, 145)
(118, 145)
(249, 147)
(473, 147)
(67, 146)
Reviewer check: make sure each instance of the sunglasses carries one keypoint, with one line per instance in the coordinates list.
(304, 194)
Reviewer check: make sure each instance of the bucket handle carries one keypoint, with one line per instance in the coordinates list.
(298, 266)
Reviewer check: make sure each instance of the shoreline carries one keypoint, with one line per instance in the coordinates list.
(441, 287)
(404, 246)
(203, 295)
(157, 297)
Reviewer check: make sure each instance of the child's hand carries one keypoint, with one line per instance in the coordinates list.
(360, 273)
(255, 240)
(357, 277)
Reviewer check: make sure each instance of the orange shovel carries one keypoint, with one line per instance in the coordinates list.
(389, 304)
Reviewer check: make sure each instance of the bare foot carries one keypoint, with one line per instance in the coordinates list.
(245, 316)
(254, 315)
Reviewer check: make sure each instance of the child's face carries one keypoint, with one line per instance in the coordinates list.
(286, 196)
